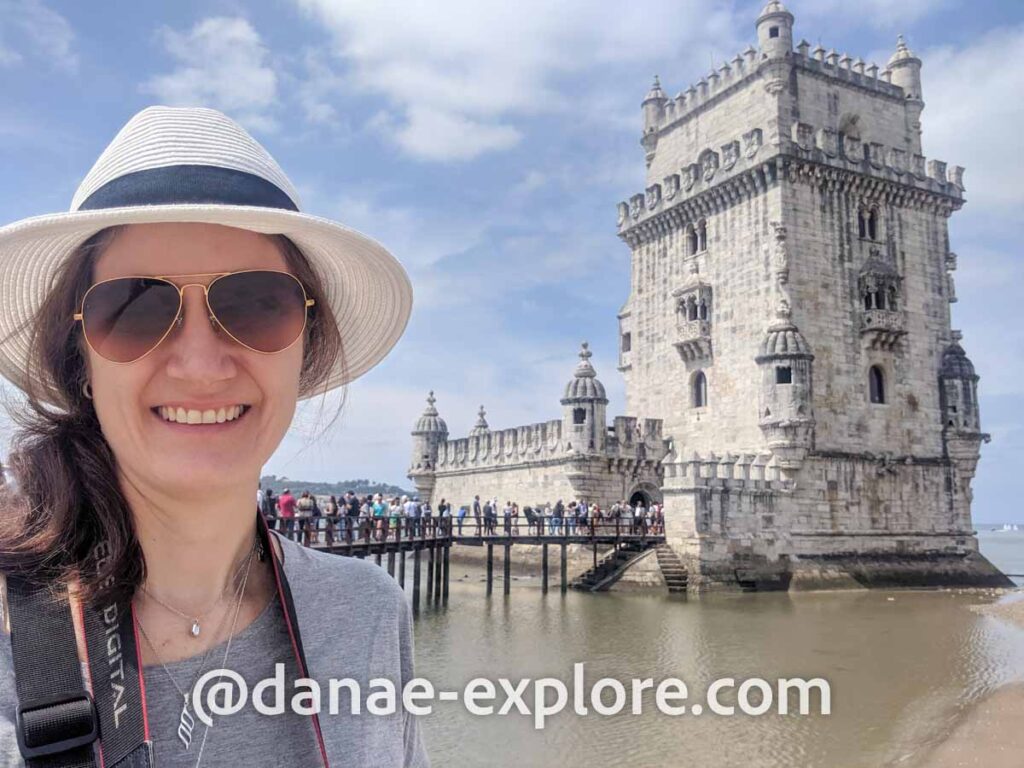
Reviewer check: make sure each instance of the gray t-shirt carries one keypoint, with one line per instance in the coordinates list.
(244, 738)
(355, 623)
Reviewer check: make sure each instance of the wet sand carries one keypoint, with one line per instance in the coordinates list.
(989, 735)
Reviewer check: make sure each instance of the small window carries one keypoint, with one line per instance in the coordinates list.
(693, 240)
(627, 342)
(773, 31)
(700, 390)
(876, 384)
(579, 415)
(783, 374)
(873, 224)
(702, 236)
(862, 224)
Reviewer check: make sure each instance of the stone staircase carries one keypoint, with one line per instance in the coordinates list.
(611, 567)
(672, 568)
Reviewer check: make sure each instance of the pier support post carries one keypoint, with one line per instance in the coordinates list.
(565, 581)
(438, 563)
(490, 568)
(391, 563)
(401, 569)
(544, 568)
(430, 573)
(508, 568)
(444, 589)
(416, 580)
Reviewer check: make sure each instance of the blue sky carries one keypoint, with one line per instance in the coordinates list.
(486, 144)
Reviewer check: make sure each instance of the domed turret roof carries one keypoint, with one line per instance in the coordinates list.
(903, 53)
(774, 8)
(784, 339)
(584, 384)
(481, 427)
(430, 421)
(655, 94)
(956, 364)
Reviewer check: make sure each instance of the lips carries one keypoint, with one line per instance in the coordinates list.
(195, 416)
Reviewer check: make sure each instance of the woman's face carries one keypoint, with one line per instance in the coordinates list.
(197, 366)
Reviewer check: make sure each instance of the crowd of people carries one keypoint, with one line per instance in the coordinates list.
(374, 517)
(578, 517)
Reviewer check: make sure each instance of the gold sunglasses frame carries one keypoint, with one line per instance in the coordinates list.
(178, 317)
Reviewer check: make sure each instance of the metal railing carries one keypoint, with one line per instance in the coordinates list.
(330, 530)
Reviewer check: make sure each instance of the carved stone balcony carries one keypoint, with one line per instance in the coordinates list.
(693, 339)
(882, 328)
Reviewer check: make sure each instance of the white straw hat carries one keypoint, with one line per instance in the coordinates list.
(198, 165)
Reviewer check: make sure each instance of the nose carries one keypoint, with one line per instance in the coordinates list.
(199, 351)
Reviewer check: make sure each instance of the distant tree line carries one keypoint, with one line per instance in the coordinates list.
(360, 487)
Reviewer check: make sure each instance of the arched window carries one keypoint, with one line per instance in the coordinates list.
(700, 390)
(873, 224)
(691, 308)
(579, 415)
(892, 297)
(702, 310)
(876, 384)
(862, 224)
(702, 236)
(693, 240)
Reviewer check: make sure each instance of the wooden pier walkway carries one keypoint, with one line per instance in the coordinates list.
(431, 540)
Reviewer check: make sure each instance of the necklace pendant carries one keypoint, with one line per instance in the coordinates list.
(195, 628)
(186, 723)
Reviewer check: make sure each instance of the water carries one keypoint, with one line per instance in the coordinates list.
(900, 671)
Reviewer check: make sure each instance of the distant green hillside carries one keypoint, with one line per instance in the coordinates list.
(359, 487)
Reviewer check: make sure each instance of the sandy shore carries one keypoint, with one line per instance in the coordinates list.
(989, 735)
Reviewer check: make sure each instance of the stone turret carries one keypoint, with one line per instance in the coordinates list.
(654, 112)
(481, 427)
(775, 30)
(584, 404)
(785, 410)
(905, 70)
(427, 437)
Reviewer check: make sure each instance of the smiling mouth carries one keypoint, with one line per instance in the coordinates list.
(192, 416)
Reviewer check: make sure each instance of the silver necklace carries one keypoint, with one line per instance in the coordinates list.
(224, 660)
(186, 722)
(195, 627)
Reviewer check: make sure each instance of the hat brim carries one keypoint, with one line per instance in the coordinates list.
(366, 287)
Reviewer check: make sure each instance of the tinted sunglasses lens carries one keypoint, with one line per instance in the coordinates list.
(126, 317)
(262, 309)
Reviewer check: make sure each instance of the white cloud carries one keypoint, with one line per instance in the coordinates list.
(455, 77)
(878, 14)
(973, 113)
(30, 30)
(222, 63)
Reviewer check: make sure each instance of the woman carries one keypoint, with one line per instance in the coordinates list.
(163, 332)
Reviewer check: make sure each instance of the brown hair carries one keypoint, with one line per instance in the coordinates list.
(67, 498)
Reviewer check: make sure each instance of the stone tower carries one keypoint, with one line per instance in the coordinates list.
(427, 437)
(789, 311)
(584, 405)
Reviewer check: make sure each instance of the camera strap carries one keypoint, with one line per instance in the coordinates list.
(59, 719)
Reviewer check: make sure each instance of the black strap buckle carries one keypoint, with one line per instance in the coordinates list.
(53, 724)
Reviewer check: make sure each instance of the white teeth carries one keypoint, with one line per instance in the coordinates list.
(193, 416)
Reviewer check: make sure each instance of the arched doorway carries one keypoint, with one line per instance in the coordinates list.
(639, 497)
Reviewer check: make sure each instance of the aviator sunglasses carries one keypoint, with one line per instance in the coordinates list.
(126, 318)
